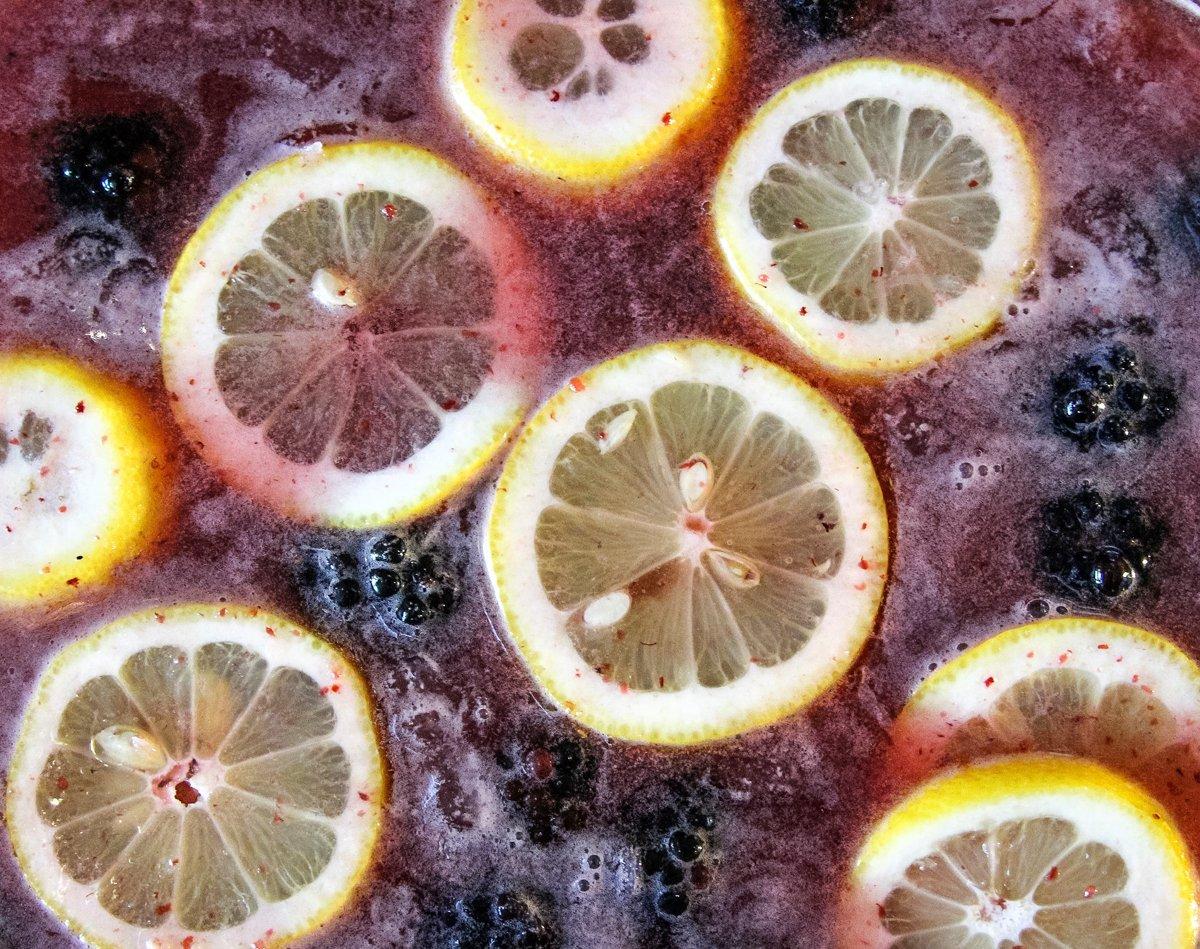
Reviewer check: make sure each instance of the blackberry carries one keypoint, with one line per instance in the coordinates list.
(676, 854)
(1108, 398)
(395, 575)
(106, 164)
(551, 785)
(506, 919)
(832, 19)
(1098, 549)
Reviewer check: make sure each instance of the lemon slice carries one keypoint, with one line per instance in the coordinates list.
(347, 336)
(879, 213)
(82, 476)
(196, 776)
(1036, 851)
(1088, 687)
(585, 92)
(687, 542)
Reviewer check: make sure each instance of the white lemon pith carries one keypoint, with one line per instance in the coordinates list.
(687, 542)
(82, 476)
(585, 91)
(1036, 851)
(1109, 691)
(346, 338)
(196, 776)
(878, 213)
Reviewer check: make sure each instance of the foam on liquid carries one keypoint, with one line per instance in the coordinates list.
(1105, 91)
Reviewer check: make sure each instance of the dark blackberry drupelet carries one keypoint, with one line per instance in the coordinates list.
(397, 575)
(1098, 549)
(1109, 398)
(506, 919)
(107, 164)
(676, 853)
(832, 19)
(551, 783)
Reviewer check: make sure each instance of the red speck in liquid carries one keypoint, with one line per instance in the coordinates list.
(542, 764)
(1089, 891)
(185, 794)
(389, 211)
(577, 384)
(80, 407)
(162, 909)
(1053, 874)
(554, 96)
(989, 681)
(666, 119)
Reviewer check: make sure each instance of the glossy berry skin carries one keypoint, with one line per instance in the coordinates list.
(396, 576)
(677, 857)
(1097, 549)
(550, 784)
(502, 920)
(105, 164)
(1108, 398)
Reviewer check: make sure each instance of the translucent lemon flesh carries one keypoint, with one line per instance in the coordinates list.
(83, 476)
(585, 93)
(879, 213)
(1108, 691)
(348, 336)
(709, 589)
(195, 786)
(687, 542)
(1033, 850)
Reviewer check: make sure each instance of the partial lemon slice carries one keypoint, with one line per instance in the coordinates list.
(347, 336)
(82, 476)
(196, 776)
(585, 92)
(879, 213)
(1088, 687)
(1036, 851)
(687, 542)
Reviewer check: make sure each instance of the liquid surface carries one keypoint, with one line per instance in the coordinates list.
(1105, 93)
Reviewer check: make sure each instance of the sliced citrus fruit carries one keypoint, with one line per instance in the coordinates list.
(83, 470)
(1088, 687)
(199, 775)
(585, 92)
(687, 542)
(1037, 851)
(879, 213)
(346, 338)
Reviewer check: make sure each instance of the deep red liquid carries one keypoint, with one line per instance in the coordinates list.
(1109, 97)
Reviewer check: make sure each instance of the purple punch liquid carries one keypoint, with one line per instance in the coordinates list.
(1108, 95)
